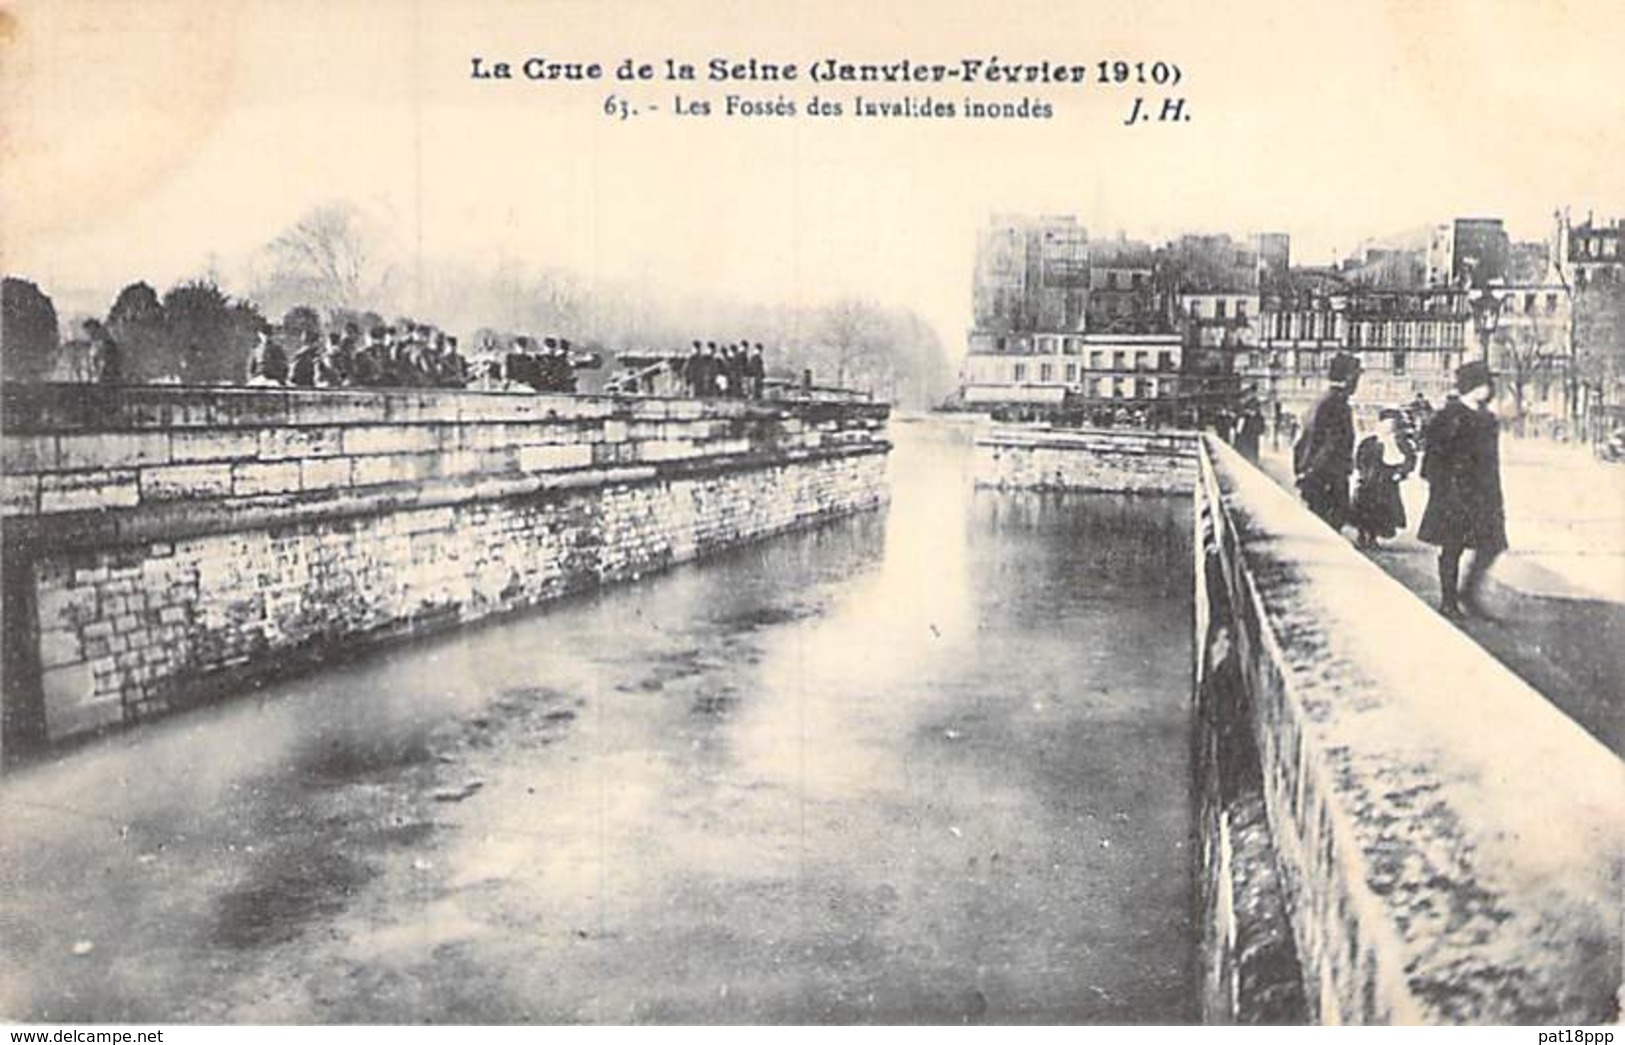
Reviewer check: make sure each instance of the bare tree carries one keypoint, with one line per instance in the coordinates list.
(852, 330)
(326, 253)
(1528, 351)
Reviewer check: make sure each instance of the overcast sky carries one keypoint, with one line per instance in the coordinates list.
(144, 138)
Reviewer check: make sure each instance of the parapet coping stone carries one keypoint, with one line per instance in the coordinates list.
(1482, 828)
(1173, 443)
(63, 408)
(171, 520)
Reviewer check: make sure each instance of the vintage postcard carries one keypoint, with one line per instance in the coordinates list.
(812, 512)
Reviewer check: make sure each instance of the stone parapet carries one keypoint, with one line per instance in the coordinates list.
(1449, 844)
(167, 545)
(83, 464)
(1392, 827)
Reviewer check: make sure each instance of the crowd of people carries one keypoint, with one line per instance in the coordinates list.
(734, 371)
(1458, 447)
(418, 355)
(412, 355)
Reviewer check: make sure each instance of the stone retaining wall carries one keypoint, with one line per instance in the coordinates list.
(1102, 460)
(165, 545)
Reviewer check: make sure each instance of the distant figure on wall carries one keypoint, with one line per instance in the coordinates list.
(1248, 432)
(106, 363)
(1382, 462)
(267, 366)
(1323, 457)
(1462, 466)
(756, 371)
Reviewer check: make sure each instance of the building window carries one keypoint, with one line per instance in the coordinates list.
(1020, 372)
(1071, 372)
(1241, 308)
(1398, 364)
(1046, 372)
(1218, 308)
(1097, 361)
(1551, 303)
(998, 344)
(1165, 361)
(1136, 279)
(1111, 281)
(1119, 361)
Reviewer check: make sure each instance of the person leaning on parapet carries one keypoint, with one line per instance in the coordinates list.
(333, 365)
(367, 361)
(302, 367)
(106, 361)
(267, 366)
(1323, 457)
(710, 370)
(739, 369)
(1462, 466)
(756, 371)
(691, 367)
(564, 370)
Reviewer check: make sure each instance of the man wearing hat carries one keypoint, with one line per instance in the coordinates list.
(693, 370)
(1462, 466)
(1323, 458)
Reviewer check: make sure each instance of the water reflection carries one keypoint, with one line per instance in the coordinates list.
(920, 765)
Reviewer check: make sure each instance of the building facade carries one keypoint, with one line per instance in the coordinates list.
(1408, 342)
(1212, 323)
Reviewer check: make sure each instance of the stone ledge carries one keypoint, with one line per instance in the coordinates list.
(1451, 843)
(171, 520)
(1172, 444)
(1091, 460)
(53, 408)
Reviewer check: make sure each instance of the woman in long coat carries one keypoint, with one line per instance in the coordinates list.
(1465, 508)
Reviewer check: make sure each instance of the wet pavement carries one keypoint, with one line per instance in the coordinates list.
(922, 765)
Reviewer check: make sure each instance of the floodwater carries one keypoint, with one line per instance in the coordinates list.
(929, 764)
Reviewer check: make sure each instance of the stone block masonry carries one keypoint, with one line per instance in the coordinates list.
(1448, 847)
(1103, 461)
(165, 546)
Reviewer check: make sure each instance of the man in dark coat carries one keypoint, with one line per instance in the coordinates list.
(756, 371)
(267, 365)
(106, 361)
(710, 370)
(693, 370)
(302, 367)
(1462, 465)
(1249, 428)
(1323, 458)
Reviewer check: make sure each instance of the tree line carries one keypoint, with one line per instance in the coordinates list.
(335, 266)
